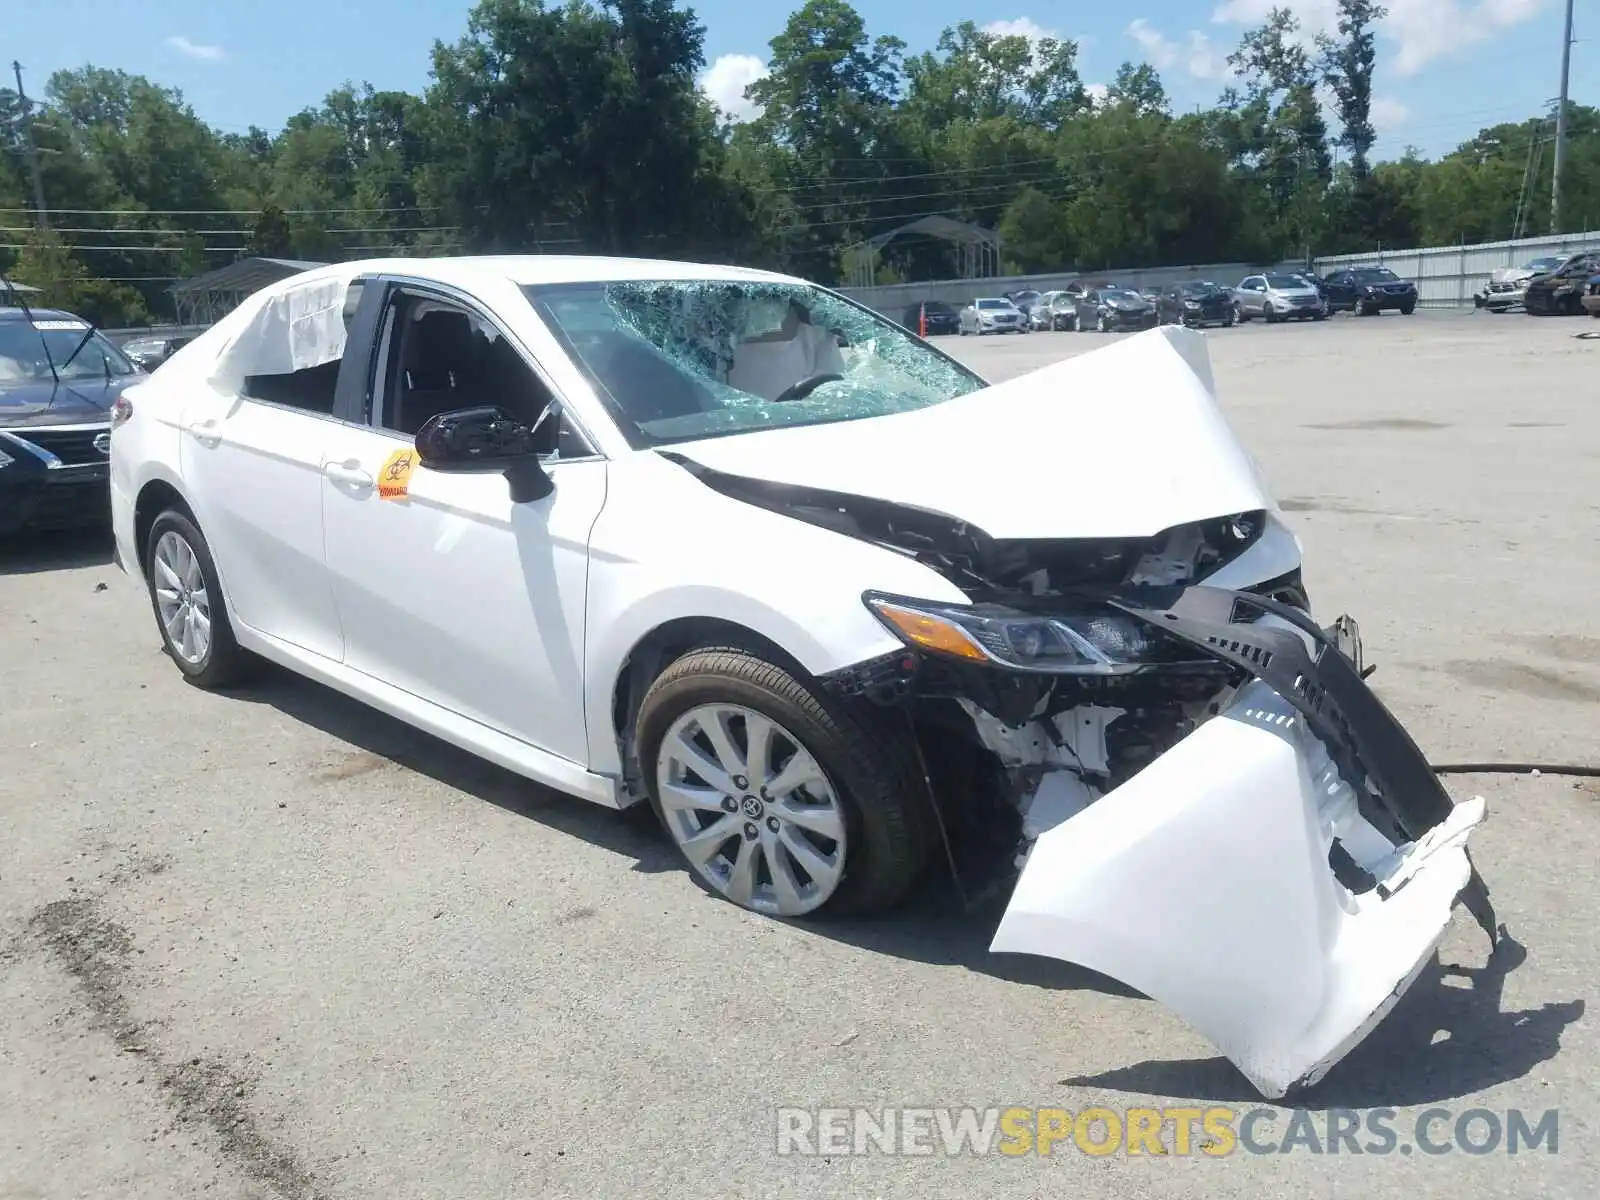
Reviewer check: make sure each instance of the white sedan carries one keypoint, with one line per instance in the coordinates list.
(732, 544)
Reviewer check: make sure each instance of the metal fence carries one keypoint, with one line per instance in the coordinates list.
(892, 299)
(1447, 276)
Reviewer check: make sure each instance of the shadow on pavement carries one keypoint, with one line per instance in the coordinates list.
(1401, 1063)
(64, 551)
(632, 832)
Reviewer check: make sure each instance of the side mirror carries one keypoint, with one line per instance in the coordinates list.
(481, 440)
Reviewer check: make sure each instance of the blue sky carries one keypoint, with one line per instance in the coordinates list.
(1446, 67)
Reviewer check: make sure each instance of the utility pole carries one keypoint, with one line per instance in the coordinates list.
(32, 150)
(1561, 124)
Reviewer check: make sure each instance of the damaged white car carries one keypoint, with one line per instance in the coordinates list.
(838, 608)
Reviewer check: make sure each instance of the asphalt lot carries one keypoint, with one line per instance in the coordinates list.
(271, 944)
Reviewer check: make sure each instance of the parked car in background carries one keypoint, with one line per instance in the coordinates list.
(1064, 308)
(992, 314)
(1112, 309)
(1506, 285)
(1369, 290)
(1152, 294)
(1024, 299)
(1560, 293)
(59, 378)
(1591, 297)
(1039, 316)
(148, 353)
(1279, 296)
(941, 317)
(1195, 302)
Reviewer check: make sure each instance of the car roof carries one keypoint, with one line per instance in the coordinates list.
(534, 269)
(39, 314)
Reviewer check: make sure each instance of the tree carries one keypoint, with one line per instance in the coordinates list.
(45, 262)
(578, 127)
(271, 237)
(1347, 65)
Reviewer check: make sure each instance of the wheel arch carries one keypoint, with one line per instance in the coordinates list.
(657, 649)
(154, 498)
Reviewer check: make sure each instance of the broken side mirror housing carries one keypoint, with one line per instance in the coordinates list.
(489, 440)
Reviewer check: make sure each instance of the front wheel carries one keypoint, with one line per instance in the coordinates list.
(780, 798)
(1407, 309)
(186, 594)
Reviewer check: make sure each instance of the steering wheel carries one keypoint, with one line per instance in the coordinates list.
(804, 388)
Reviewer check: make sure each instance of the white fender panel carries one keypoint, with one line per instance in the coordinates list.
(1203, 882)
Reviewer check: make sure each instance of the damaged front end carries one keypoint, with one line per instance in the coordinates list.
(1205, 799)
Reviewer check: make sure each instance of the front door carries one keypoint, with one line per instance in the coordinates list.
(444, 586)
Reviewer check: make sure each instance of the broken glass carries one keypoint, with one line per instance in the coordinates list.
(682, 359)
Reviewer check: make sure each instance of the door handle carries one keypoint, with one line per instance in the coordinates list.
(348, 475)
(205, 432)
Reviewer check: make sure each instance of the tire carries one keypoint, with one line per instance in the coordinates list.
(1407, 309)
(224, 662)
(869, 767)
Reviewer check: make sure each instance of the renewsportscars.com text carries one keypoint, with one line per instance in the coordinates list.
(1216, 1132)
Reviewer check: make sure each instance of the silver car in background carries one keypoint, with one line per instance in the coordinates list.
(1508, 286)
(992, 314)
(1279, 296)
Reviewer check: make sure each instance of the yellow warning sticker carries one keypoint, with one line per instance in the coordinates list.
(394, 480)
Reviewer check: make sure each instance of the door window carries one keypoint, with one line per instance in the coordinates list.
(439, 357)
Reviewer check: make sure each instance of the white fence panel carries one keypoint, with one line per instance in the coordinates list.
(1448, 276)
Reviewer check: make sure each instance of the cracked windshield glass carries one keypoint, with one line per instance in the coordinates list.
(679, 360)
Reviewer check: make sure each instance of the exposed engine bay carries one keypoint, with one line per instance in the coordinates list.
(1010, 753)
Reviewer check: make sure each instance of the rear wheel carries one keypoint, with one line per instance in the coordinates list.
(186, 595)
(780, 798)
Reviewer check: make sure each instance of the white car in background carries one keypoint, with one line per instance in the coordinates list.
(992, 314)
(730, 544)
(1279, 296)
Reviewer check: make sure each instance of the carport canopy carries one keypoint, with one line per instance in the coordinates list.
(205, 298)
(980, 247)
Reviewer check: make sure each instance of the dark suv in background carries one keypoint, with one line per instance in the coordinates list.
(942, 317)
(1369, 290)
(1195, 302)
(1560, 293)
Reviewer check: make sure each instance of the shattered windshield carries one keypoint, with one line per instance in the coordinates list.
(677, 360)
(28, 349)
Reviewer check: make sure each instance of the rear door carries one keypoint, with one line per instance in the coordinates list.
(252, 469)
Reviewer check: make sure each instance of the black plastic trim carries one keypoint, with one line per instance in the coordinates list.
(1399, 792)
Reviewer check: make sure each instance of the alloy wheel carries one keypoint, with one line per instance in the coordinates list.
(181, 598)
(752, 809)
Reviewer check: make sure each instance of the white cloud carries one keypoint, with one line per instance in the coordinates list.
(1097, 93)
(200, 50)
(725, 80)
(1196, 53)
(1020, 27)
(1388, 113)
(1417, 33)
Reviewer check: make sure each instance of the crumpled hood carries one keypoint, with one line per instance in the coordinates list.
(1124, 441)
(48, 403)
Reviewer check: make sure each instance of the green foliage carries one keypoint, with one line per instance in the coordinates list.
(577, 125)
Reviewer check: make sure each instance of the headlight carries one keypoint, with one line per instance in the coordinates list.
(1091, 641)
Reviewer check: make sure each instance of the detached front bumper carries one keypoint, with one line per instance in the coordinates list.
(1280, 877)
